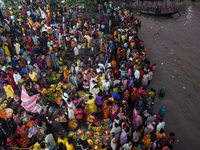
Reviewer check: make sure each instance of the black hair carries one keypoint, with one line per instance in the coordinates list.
(127, 129)
(172, 134)
(70, 139)
(18, 136)
(161, 130)
(103, 146)
(117, 117)
(42, 145)
(60, 145)
(170, 146)
(46, 132)
(40, 124)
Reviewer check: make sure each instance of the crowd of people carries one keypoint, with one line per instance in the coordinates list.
(105, 93)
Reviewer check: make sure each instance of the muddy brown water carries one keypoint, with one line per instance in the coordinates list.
(179, 36)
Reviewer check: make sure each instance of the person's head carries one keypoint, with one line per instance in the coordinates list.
(103, 146)
(40, 124)
(60, 145)
(18, 136)
(37, 102)
(113, 134)
(42, 145)
(117, 117)
(46, 132)
(172, 135)
(162, 130)
(151, 113)
(160, 120)
(170, 146)
(70, 139)
(68, 101)
(137, 130)
(127, 129)
(130, 143)
(116, 125)
(106, 80)
(15, 72)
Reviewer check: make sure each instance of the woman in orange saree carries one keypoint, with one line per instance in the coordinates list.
(106, 109)
(22, 142)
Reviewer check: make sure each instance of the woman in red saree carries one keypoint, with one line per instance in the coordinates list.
(29, 40)
(22, 142)
(48, 22)
(80, 80)
(21, 130)
(106, 109)
(115, 72)
(126, 95)
(10, 141)
(11, 81)
(23, 12)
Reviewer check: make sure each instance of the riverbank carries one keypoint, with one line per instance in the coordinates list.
(178, 35)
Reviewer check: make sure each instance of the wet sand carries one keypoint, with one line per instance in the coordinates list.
(181, 37)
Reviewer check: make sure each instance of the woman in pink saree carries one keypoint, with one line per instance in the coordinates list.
(137, 119)
(140, 91)
(39, 62)
(114, 111)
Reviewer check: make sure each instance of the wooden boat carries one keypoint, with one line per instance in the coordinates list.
(164, 14)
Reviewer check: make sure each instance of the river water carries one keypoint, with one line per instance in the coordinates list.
(173, 43)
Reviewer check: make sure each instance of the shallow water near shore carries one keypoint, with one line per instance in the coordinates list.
(173, 44)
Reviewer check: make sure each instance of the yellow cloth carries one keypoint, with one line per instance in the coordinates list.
(65, 71)
(146, 140)
(91, 104)
(69, 146)
(159, 135)
(123, 38)
(79, 23)
(7, 52)
(115, 33)
(33, 76)
(62, 141)
(11, 12)
(36, 146)
(23, 30)
(49, 14)
(115, 90)
(48, 7)
(9, 91)
(132, 44)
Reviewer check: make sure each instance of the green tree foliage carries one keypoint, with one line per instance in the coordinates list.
(11, 4)
(90, 5)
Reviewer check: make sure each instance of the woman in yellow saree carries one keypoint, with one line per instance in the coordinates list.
(147, 140)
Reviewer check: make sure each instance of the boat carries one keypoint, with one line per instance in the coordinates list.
(163, 12)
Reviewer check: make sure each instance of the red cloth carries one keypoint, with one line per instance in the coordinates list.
(48, 22)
